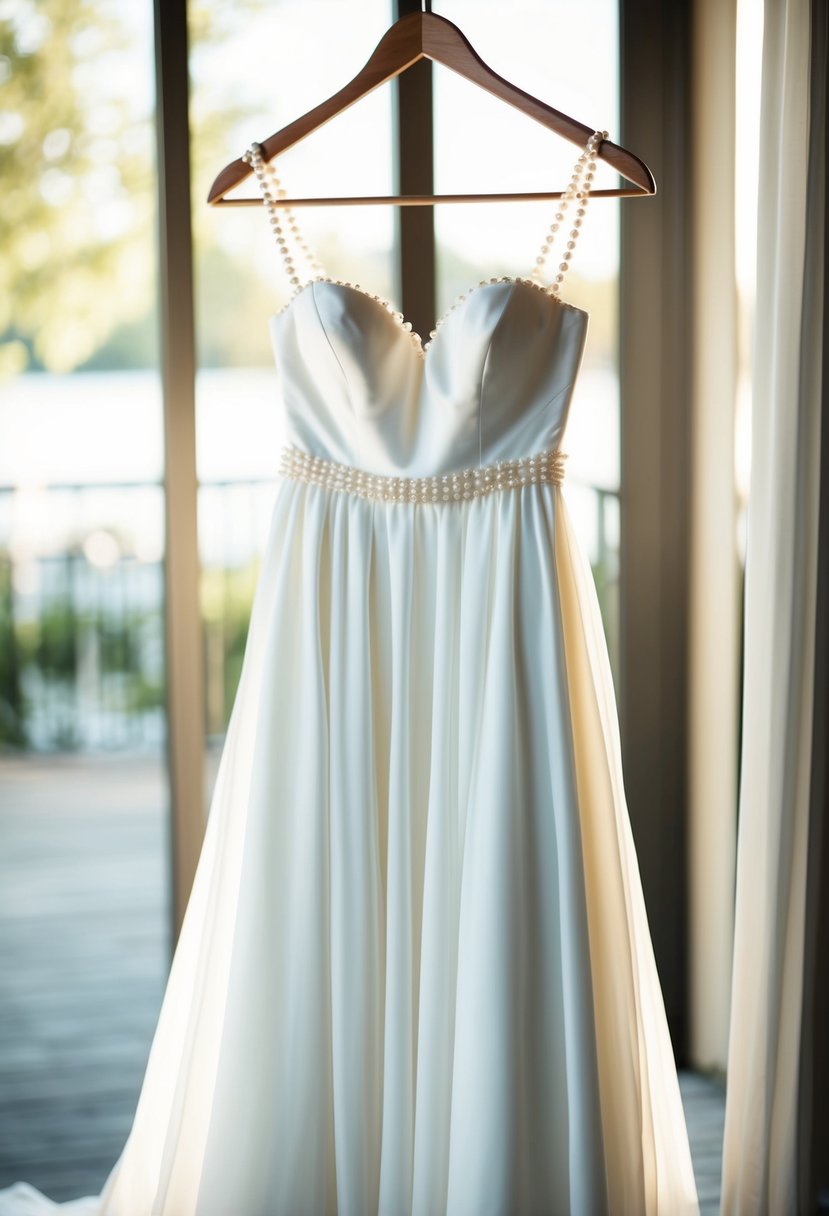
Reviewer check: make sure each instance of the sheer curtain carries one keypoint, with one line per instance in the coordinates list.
(764, 1135)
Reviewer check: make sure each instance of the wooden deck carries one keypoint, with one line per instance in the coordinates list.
(83, 957)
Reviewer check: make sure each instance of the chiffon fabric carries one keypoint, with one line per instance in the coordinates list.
(415, 974)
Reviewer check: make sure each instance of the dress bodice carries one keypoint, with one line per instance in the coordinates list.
(494, 383)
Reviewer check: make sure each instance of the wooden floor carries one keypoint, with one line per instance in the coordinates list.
(83, 958)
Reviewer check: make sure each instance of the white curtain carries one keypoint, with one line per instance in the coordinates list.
(760, 1163)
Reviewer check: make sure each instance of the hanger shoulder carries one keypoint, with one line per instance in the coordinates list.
(446, 44)
(397, 50)
(426, 35)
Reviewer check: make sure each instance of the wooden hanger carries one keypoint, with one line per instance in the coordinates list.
(428, 36)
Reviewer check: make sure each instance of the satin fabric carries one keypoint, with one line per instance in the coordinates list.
(495, 384)
(415, 973)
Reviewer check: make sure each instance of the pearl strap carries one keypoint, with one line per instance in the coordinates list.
(288, 237)
(578, 191)
(271, 187)
(545, 467)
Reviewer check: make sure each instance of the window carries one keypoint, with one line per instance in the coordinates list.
(83, 804)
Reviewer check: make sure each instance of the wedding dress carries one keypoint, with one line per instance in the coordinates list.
(415, 974)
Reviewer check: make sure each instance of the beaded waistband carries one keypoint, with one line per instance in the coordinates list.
(542, 468)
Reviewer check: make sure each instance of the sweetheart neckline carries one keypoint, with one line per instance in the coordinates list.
(417, 341)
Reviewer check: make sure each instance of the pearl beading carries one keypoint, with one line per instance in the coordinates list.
(272, 190)
(418, 344)
(542, 468)
(578, 191)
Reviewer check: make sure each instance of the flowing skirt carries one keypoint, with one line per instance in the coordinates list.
(415, 974)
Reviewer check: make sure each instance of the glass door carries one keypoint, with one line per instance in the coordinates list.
(83, 801)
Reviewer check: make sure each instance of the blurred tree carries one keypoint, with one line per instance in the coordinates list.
(75, 160)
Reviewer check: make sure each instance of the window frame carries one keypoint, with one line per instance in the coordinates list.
(654, 355)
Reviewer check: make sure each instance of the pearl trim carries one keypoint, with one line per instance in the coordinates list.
(270, 184)
(542, 468)
(419, 345)
(578, 191)
(282, 217)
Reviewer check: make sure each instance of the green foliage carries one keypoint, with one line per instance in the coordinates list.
(78, 206)
(47, 653)
(56, 650)
(77, 161)
(144, 694)
(226, 603)
(133, 344)
(11, 698)
(49, 647)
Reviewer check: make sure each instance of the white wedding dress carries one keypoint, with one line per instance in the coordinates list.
(415, 974)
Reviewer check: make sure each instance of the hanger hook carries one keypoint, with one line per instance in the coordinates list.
(427, 6)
